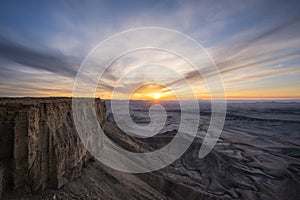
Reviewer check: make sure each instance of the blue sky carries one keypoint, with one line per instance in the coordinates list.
(255, 44)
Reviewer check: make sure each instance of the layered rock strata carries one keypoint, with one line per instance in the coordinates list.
(39, 145)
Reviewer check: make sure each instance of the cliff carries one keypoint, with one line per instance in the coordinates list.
(39, 146)
(40, 151)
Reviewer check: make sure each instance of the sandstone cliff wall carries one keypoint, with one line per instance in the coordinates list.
(39, 146)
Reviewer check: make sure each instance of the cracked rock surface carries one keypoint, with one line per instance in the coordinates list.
(257, 157)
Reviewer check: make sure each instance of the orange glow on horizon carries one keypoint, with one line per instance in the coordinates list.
(153, 92)
(156, 92)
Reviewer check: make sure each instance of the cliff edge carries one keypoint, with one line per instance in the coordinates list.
(39, 145)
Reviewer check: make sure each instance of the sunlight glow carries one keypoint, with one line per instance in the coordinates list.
(156, 96)
(152, 92)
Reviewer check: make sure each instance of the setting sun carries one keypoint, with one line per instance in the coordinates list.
(156, 96)
(153, 91)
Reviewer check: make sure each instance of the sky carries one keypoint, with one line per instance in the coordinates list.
(254, 44)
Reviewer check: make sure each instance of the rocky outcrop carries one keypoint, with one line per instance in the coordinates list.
(254, 158)
(39, 145)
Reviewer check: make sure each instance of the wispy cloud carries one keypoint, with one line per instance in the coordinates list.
(246, 40)
(50, 61)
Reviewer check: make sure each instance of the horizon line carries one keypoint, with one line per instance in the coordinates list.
(204, 99)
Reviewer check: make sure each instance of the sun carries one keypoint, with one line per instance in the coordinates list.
(152, 92)
(156, 95)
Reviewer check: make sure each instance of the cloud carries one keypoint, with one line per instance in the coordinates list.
(237, 42)
(258, 51)
(24, 81)
(54, 62)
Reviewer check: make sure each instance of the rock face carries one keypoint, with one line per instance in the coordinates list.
(256, 157)
(39, 145)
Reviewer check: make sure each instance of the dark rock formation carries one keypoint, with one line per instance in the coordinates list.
(256, 157)
(39, 146)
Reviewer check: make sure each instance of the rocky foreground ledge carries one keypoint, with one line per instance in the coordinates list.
(39, 146)
(256, 157)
